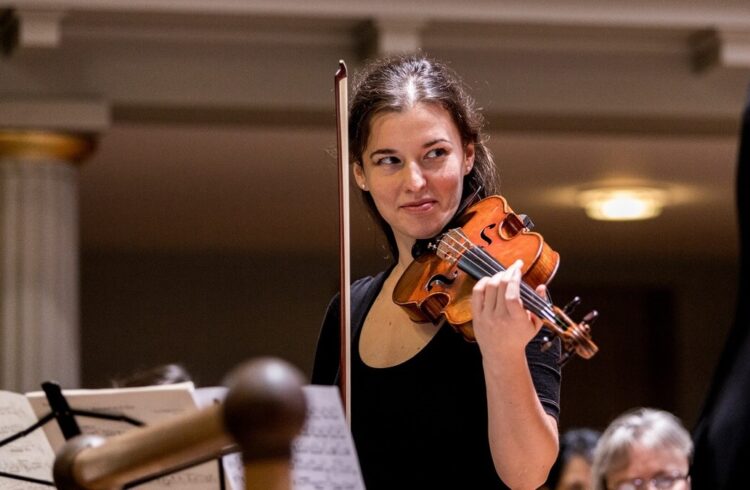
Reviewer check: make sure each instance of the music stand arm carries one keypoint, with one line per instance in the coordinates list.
(112, 463)
(263, 411)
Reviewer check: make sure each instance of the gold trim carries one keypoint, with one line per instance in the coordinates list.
(46, 145)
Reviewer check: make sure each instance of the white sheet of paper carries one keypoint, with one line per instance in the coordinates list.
(209, 395)
(323, 455)
(146, 404)
(234, 472)
(30, 455)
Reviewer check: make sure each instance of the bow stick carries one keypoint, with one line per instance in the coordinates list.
(342, 151)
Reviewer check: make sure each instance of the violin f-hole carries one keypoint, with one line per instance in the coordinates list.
(440, 280)
(484, 236)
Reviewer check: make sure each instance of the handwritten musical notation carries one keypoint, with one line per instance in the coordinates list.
(323, 455)
(29, 456)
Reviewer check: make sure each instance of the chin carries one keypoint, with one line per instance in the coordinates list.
(427, 233)
(422, 229)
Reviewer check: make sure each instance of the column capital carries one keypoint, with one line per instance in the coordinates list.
(51, 129)
(46, 146)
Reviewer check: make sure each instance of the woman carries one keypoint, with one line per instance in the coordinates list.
(645, 448)
(572, 470)
(430, 410)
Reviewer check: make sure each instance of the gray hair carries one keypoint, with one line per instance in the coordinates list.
(654, 429)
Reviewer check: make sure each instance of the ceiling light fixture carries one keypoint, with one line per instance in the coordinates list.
(623, 203)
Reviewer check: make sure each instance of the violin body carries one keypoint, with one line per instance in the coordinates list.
(432, 288)
(488, 237)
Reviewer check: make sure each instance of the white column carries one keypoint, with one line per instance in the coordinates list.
(39, 280)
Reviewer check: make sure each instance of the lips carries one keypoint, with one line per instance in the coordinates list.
(421, 205)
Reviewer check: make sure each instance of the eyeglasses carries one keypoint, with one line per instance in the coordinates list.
(662, 482)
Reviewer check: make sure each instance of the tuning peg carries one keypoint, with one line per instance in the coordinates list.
(590, 317)
(568, 309)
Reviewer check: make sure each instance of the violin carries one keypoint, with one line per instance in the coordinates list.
(482, 241)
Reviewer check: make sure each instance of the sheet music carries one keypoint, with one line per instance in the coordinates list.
(30, 455)
(323, 455)
(234, 471)
(145, 404)
(209, 395)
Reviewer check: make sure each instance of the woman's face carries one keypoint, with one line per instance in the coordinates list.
(650, 464)
(413, 166)
(576, 475)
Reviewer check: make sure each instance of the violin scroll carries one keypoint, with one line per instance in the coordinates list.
(574, 337)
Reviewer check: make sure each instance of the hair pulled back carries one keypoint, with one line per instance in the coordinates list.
(398, 83)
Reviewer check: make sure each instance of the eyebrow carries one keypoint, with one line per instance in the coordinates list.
(388, 151)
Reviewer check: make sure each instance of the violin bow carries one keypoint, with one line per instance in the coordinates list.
(342, 152)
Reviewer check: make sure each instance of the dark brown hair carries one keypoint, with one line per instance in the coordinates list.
(397, 83)
(165, 374)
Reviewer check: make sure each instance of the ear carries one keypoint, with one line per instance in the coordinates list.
(359, 176)
(468, 158)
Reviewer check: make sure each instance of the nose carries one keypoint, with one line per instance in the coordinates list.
(415, 178)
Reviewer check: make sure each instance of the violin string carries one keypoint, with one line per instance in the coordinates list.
(460, 251)
(545, 311)
(490, 268)
(532, 300)
(491, 264)
(530, 297)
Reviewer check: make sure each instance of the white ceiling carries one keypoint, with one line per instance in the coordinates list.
(218, 116)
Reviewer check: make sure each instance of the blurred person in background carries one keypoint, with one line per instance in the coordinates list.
(572, 470)
(643, 449)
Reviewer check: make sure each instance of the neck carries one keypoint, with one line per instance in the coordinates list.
(404, 253)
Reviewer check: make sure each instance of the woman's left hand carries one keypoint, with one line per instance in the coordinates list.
(501, 323)
(518, 426)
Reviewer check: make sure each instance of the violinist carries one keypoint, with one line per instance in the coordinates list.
(429, 409)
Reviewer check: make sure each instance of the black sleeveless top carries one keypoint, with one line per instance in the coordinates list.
(423, 423)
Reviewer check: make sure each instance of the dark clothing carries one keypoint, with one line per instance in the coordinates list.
(423, 423)
(722, 436)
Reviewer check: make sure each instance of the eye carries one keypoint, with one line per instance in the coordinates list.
(437, 152)
(387, 160)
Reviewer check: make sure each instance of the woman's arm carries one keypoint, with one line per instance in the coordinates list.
(523, 438)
